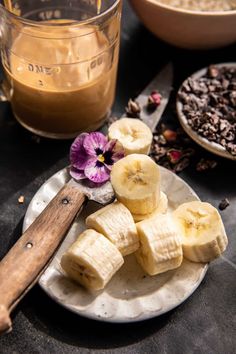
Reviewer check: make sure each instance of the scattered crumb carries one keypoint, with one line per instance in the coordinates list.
(21, 199)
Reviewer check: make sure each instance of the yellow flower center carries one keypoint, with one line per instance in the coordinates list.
(101, 158)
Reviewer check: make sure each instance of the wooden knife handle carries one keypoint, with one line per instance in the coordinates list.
(27, 258)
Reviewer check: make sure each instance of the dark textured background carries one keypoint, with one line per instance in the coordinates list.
(206, 322)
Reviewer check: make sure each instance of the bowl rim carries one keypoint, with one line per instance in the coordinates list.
(192, 12)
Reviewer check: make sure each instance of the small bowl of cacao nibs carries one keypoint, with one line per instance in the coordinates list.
(206, 107)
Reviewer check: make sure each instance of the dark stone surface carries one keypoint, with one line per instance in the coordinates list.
(206, 322)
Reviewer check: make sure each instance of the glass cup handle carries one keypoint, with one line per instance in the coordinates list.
(3, 97)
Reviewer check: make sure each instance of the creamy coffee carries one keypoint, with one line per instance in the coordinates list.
(63, 80)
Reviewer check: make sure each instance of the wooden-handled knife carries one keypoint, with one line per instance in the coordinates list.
(27, 259)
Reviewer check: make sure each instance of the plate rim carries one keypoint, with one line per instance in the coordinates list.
(144, 316)
(212, 147)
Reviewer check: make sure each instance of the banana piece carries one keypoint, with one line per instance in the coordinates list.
(133, 134)
(136, 182)
(161, 209)
(202, 230)
(160, 242)
(116, 223)
(92, 260)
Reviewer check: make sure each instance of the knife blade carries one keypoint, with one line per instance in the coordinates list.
(163, 83)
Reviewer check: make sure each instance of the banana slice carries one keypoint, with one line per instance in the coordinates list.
(136, 182)
(161, 209)
(92, 260)
(202, 230)
(160, 248)
(133, 134)
(116, 223)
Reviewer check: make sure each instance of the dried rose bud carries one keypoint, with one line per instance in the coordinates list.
(133, 109)
(174, 156)
(170, 135)
(154, 100)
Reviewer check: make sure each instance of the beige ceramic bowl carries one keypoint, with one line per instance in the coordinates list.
(187, 29)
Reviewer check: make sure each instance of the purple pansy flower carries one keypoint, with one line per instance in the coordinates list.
(92, 157)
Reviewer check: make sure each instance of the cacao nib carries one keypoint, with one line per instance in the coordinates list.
(224, 204)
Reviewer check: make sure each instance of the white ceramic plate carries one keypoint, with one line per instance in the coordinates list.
(131, 295)
(203, 142)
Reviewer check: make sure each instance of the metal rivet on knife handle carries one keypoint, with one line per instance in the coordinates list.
(65, 201)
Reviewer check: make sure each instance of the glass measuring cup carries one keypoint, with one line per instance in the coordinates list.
(60, 59)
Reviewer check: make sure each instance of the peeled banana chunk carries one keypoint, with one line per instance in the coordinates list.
(92, 260)
(116, 223)
(161, 209)
(136, 182)
(133, 134)
(202, 230)
(161, 248)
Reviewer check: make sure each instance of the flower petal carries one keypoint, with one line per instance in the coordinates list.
(94, 143)
(77, 174)
(78, 155)
(96, 173)
(110, 145)
(118, 155)
(117, 152)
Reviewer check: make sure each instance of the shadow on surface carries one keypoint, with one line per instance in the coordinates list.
(16, 234)
(222, 185)
(24, 156)
(78, 331)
